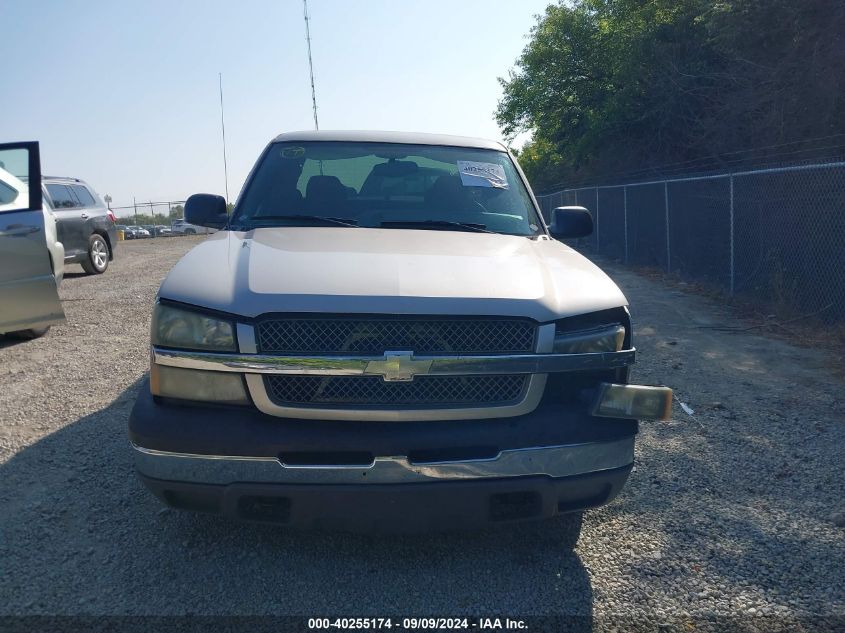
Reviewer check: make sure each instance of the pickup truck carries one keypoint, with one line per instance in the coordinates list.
(386, 335)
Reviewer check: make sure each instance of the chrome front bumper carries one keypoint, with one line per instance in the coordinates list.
(550, 461)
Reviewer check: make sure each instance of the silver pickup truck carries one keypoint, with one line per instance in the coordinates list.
(385, 334)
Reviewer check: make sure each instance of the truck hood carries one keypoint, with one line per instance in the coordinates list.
(388, 271)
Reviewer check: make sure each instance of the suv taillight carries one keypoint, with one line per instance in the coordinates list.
(111, 216)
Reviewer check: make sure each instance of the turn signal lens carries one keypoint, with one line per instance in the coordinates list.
(198, 385)
(636, 402)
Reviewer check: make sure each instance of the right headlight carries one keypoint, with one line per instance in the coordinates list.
(174, 327)
(605, 338)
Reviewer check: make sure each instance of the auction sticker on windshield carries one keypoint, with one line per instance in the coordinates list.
(474, 174)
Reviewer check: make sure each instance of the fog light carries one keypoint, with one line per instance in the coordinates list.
(195, 384)
(636, 402)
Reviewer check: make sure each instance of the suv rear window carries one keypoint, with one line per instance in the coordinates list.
(83, 195)
(61, 196)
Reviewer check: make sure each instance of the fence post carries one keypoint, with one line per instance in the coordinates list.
(668, 251)
(732, 234)
(625, 210)
(598, 224)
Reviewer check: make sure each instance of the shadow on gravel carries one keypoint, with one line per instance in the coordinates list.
(79, 534)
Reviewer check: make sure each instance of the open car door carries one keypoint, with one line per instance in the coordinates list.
(29, 298)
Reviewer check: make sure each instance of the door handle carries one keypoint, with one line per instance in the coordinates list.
(17, 231)
(84, 216)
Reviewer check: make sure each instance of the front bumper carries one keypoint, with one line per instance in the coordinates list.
(419, 507)
(372, 475)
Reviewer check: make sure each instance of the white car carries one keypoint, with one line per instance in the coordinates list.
(386, 335)
(31, 257)
(181, 227)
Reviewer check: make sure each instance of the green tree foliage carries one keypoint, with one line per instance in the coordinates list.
(611, 86)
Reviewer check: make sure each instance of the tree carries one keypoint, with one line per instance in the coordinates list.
(616, 86)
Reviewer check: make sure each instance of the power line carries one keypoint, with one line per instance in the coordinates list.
(310, 62)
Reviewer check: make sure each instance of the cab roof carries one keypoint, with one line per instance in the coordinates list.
(410, 138)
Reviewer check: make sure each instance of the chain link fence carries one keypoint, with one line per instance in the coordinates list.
(775, 235)
(150, 212)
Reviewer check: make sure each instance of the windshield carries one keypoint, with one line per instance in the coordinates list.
(387, 185)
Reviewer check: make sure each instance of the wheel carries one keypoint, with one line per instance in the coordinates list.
(31, 333)
(190, 232)
(98, 256)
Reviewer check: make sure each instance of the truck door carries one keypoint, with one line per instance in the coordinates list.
(29, 298)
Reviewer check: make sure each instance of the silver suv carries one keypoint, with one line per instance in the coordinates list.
(86, 226)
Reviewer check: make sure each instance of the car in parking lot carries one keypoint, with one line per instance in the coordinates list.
(182, 227)
(86, 226)
(31, 257)
(138, 232)
(386, 334)
(156, 230)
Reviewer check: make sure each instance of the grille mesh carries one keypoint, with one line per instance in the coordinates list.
(373, 390)
(376, 336)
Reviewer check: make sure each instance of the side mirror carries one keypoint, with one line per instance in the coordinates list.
(205, 209)
(571, 222)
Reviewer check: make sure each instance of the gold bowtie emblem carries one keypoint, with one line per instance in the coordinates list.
(398, 367)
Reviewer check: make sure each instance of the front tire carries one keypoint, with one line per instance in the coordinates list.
(98, 256)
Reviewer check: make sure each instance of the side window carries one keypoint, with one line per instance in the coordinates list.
(84, 196)
(61, 196)
(7, 194)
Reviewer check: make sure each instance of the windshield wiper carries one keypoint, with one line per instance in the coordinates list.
(449, 224)
(263, 219)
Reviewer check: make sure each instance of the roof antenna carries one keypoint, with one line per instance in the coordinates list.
(223, 129)
(310, 62)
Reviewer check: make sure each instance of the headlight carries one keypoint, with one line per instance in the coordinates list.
(606, 338)
(172, 327)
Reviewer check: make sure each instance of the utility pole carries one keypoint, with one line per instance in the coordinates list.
(134, 204)
(223, 130)
(310, 62)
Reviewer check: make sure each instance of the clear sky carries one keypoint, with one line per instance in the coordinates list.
(124, 93)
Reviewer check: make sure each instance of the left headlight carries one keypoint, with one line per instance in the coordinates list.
(606, 338)
(173, 327)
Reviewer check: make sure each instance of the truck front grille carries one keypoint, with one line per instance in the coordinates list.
(422, 392)
(376, 335)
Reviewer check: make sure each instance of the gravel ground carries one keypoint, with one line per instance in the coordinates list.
(732, 512)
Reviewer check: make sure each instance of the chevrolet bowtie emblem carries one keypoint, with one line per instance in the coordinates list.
(398, 367)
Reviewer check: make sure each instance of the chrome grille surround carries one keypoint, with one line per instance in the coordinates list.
(323, 335)
(376, 335)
